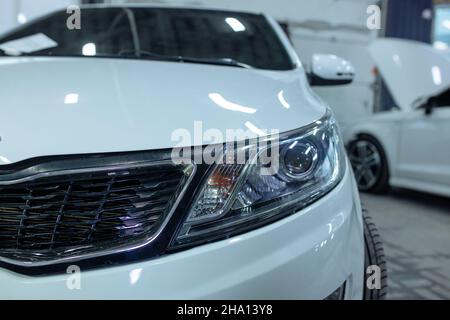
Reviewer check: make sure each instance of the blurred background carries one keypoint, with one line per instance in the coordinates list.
(415, 226)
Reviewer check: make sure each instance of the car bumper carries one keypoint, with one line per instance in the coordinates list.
(305, 256)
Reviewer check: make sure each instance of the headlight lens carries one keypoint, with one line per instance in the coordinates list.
(306, 164)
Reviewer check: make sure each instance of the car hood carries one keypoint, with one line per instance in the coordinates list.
(59, 106)
(413, 71)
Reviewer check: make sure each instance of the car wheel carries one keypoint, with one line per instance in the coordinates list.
(369, 163)
(374, 256)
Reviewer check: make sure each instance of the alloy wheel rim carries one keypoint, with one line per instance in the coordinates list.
(366, 162)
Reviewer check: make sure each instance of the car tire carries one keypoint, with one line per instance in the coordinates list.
(369, 163)
(374, 256)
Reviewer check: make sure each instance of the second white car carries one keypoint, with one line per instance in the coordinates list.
(408, 146)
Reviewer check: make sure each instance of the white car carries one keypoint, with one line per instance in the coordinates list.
(409, 146)
(90, 187)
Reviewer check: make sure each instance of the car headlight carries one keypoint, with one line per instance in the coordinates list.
(239, 197)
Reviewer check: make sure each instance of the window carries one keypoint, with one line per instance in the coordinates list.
(152, 32)
(441, 28)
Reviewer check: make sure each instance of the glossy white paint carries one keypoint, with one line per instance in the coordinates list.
(315, 27)
(413, 71)
(332, 67)
(89, 105)
(305, 256)
(62, 106)
(424, 151)
(416, 144)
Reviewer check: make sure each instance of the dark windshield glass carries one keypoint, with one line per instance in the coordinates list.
(155, 33)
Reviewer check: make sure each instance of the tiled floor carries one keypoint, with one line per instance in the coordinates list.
(416, 232)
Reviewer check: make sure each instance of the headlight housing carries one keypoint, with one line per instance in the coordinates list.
(305, 165)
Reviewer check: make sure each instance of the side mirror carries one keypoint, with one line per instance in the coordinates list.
(330, 70)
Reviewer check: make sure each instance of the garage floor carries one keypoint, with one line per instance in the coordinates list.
(416, 233)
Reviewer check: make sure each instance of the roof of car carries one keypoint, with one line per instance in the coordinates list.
(168, 6)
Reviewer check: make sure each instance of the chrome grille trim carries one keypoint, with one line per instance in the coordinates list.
(190, 170)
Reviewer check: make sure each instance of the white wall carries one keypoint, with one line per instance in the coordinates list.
(6, 14)
(10, 9)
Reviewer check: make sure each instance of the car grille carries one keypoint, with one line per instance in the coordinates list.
(67, 214)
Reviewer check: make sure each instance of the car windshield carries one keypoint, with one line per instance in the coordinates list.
(184, 35)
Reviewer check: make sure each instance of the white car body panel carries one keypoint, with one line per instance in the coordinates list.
(305, 256)
(116, 101)
(61, 106)
(416, 144)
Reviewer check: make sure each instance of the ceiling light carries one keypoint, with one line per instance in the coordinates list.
(89, 49)
(235, 24)
(21, 18)
(223, 103)
(71, 98)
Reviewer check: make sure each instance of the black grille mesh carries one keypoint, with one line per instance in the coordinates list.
(69, 212)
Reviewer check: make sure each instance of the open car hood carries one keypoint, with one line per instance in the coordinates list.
(413, 71)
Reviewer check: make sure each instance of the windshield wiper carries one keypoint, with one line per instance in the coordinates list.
(155, 56)
(218, 61)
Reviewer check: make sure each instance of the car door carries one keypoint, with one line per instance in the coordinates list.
(418, 75)
(424, 148)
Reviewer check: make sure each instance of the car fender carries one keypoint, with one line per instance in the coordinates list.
(385, 132)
